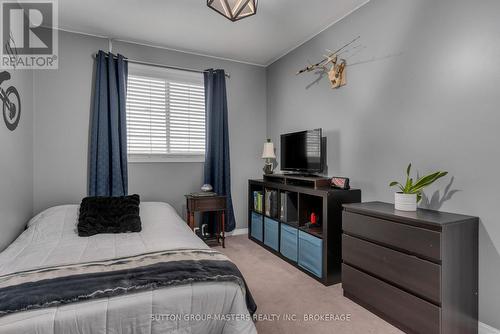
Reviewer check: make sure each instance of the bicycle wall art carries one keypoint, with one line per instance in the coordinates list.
(11, 103)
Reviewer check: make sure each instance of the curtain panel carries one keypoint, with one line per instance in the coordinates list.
(108, 136)
(217, 171)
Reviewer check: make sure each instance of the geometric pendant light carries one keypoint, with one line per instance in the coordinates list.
(234, 10)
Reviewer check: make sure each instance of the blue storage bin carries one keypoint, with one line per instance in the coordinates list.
(257, 223)
(311, 253)
(271, 233)
(289, 242)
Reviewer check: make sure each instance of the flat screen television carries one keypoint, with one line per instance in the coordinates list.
(302, 152)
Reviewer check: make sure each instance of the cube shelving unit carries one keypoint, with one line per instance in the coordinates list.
(314, 249)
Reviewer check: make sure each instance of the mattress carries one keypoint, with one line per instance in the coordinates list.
(51, 239)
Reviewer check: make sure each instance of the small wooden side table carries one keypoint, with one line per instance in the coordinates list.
(208, 204)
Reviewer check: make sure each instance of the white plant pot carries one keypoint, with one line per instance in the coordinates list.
(405, 202)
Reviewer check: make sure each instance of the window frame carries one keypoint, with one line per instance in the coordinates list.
(167, 74)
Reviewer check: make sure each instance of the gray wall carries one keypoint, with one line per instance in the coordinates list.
(62, 116)
(16, 163)
(63, 100)
(424, 89)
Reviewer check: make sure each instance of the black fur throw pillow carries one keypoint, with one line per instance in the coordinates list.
(109, 215)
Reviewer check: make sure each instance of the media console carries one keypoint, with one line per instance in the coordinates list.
(279, 219)
(309, 181)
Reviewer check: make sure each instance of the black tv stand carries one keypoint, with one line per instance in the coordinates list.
(310, 181)
(299, 174)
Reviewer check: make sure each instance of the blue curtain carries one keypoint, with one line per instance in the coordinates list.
(217, 165)
(108, 137)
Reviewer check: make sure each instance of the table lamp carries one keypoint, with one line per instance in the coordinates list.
(268, 154)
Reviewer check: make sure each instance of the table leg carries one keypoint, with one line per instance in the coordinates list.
(191, 220)
(217, 227)
(223, 229)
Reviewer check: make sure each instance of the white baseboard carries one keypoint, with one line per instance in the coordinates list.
(238, 231)
(486, 329)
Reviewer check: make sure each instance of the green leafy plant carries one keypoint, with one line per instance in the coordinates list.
(411, 187)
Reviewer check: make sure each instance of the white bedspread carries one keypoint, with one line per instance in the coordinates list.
(51, 239)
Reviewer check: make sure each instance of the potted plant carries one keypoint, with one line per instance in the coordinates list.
(411, 192)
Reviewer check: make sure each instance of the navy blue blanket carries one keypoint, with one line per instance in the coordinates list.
(47, 287)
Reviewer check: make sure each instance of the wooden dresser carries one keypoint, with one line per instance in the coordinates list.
(417, 270)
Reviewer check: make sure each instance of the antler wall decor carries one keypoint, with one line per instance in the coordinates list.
(336, 71)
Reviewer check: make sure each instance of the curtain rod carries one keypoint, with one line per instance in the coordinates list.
(164, 66)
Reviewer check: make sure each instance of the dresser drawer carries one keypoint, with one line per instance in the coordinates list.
(415, 240)
(408, 272)
(207, 204)
(404, 310)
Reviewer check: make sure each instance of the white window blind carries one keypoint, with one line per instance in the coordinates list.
(165, 113)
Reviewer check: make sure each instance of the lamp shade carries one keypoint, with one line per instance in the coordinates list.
(234, 10)
(268, 151)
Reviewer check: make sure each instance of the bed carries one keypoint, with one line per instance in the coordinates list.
(50, 240)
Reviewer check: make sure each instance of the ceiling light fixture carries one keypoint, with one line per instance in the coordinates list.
(234, 10)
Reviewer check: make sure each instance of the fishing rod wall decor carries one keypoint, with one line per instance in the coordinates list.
(333, 65)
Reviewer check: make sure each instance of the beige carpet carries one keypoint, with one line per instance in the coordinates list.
(280, 289)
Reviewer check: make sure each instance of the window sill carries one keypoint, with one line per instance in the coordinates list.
(137, 159)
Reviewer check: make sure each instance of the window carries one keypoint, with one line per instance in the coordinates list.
(165, 115)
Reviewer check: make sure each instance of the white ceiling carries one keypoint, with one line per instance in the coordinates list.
(189, 25)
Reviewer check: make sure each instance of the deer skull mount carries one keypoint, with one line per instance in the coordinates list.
(336, 73)
(333, 66)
